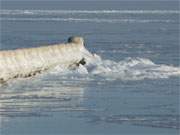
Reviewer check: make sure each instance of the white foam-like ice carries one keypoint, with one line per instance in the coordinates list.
(127, 69)
(133, 69)
(56, 12)
(94, 20)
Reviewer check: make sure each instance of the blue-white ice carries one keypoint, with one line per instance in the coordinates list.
(130, 86)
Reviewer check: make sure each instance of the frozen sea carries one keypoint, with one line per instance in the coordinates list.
(132, 86)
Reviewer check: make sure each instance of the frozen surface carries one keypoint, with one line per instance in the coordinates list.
(130, 85)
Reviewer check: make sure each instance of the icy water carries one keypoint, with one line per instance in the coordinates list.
(131, 86)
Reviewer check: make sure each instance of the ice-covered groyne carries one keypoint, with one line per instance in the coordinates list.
(21, 63)
(72, 57)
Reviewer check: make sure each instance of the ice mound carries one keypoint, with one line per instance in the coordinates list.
(22, 63)
(74, 58)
